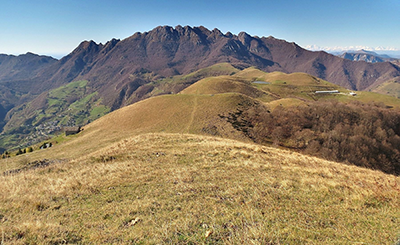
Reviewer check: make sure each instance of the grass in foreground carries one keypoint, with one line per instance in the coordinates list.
(186, 189)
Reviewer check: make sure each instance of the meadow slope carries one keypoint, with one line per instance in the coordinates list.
(190, 189)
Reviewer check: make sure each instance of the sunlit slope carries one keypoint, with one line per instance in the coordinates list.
(202, 108)
(264, 86)
(302, 86)
(137, 176)
(297, 78)
(179, 82)
(181, 189)
(228, 84)
(183, 113)
(391, 88)
(296, 85)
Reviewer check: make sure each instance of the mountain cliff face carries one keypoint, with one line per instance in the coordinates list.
(121, 72)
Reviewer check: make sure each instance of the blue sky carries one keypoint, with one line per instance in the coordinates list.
(56, 27)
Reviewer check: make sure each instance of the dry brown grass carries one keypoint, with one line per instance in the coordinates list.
(228, 84)
(296, 78)
(182, 189)
(183, 113)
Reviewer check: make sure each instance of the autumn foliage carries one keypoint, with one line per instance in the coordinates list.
(366, 135)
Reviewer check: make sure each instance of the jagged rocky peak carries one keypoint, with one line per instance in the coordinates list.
(186, 30)
(245, 38)
(86, 45)
(216, 33)
(89, 44)
(110, 45)
(162, 33)
(137, 35)
(229, 34)
(269, 37)
(163, 30)
(112, 42)
(197, 35)
(203, 30)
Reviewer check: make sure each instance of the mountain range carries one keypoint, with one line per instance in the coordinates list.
(122, 72)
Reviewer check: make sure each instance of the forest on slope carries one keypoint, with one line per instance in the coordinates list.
(363, 134)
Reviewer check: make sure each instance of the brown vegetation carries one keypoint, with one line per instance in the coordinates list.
(366, 135)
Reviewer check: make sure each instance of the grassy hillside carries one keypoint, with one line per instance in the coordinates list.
(391, 88)
(80, 102)
(175, 84)
(228, 84)
(148, 173)
(69, 105)
(183, 113)
(277, 88)
(225, 106)
(180, 189)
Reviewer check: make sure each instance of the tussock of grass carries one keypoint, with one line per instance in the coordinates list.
(179, 189)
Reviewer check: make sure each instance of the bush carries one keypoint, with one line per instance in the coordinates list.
(19, 152)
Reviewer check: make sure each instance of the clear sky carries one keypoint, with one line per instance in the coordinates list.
(56, 27)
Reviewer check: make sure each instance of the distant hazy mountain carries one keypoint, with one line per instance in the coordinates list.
(367, 56)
